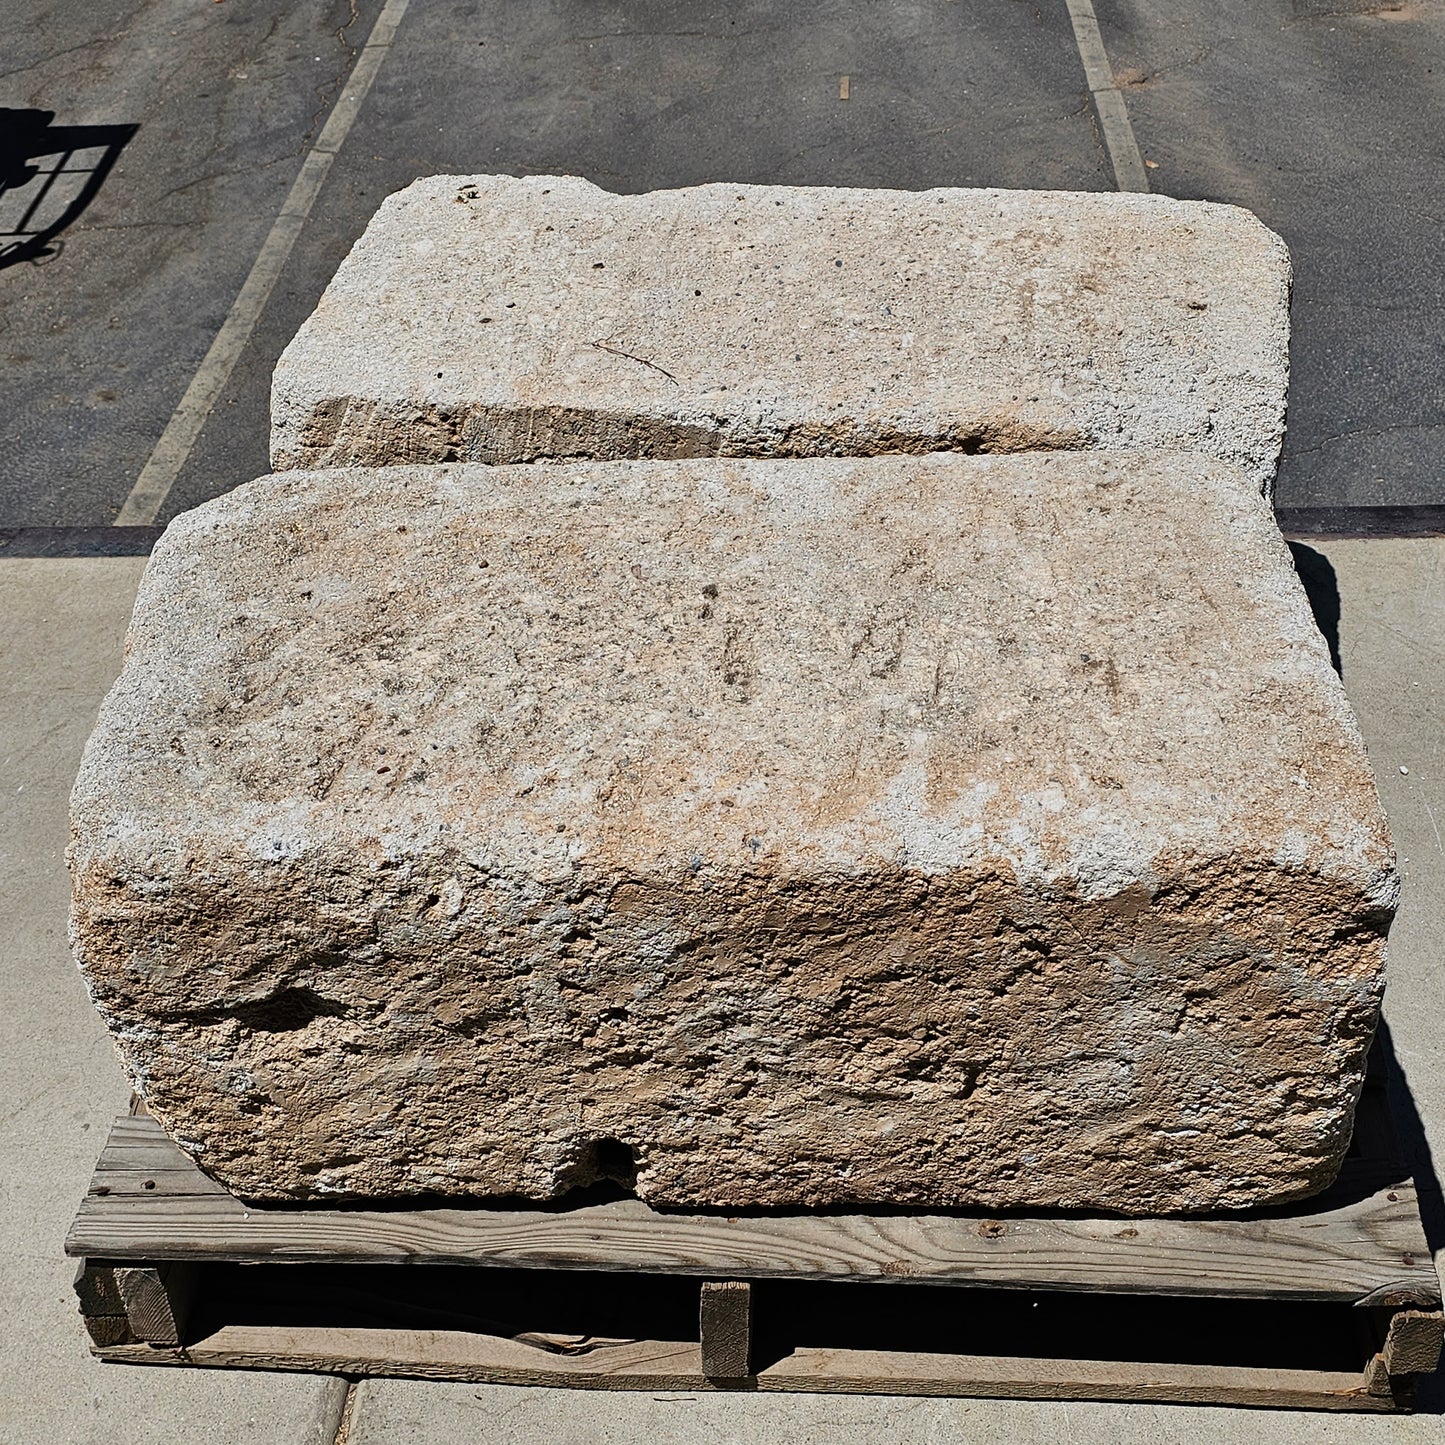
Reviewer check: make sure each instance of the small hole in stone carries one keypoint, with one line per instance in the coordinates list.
(612, 1159)
(148, 1184)
(284, 1011)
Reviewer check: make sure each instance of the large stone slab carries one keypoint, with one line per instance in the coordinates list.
(493, 319)
(934, 830)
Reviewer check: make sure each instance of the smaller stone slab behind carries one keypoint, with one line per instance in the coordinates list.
(937, 831)
(500, 320)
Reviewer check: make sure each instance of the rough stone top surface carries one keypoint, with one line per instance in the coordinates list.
(496, 319)
(913, 663)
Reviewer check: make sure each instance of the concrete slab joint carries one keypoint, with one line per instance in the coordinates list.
(495, 319)
(932, 830)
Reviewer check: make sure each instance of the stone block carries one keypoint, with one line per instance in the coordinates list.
(501, 320)
(908, 830)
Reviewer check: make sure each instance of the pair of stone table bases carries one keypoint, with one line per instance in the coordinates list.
(786, 697)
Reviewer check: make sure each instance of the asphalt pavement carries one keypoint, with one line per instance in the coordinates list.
(1321, 115)
(1325, 118)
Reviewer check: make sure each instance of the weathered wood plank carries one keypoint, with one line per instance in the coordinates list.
(96, 1289)
(1361, 1247)
(725, 1324)
(1377, 1377)
(106, 1330)
(1412, 1346)
(101, 1307)
(157, 1300)
(432, 1354)
(890, 1372)
(653, 1365)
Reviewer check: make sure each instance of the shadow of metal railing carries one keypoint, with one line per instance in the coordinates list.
(49, 174)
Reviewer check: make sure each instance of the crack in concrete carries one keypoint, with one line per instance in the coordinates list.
(61, 54)
(1132, 77)
(1354, 305)
(1345, 436)
(326, 94)
(656, 35)
(189, 225)
(1390, 11)
(254, 168)
(249, 58)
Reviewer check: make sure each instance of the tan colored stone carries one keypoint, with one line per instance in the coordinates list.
(492, 319)
(932, 830)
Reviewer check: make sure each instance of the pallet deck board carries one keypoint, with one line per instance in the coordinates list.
(672, 1366)
(1362, 1242)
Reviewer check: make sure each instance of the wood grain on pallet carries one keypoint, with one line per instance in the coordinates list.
(1362, 1242)
(1413, 1342)
(725, 1324)
(664, 1365)
(157, 1300)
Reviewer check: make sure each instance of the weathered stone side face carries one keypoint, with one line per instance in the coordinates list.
(937, 831)
(501, 320)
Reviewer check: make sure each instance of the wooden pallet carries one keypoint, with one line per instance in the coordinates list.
(1333, 1304)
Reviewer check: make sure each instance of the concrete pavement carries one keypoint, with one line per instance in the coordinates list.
(412, 1412)
(64, 623)
(59, 651)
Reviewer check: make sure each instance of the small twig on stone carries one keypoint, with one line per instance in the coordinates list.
(618, 351)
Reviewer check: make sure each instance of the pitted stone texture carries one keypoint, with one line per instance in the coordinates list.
(500, 320)
(933, 830)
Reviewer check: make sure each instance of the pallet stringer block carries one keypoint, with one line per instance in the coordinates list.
(725, 1326)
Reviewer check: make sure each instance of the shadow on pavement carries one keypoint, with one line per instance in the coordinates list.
(49, 174)
(1323, 591)
(1416, 1154)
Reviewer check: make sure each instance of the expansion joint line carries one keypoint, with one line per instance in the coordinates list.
(1129, 173)
(164, 464)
